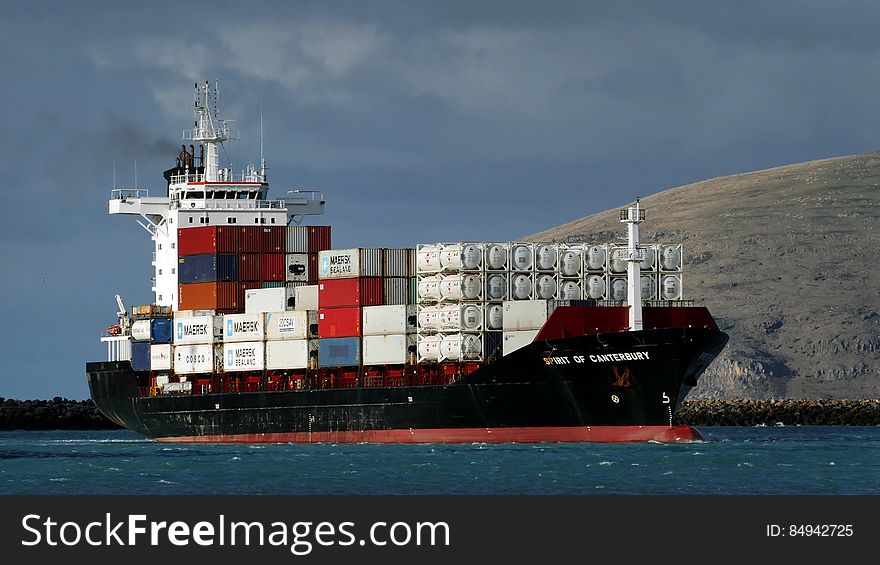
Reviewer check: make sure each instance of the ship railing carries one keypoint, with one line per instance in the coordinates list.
(126, 193)
(223, 175)
(669, 303)
(233, 204)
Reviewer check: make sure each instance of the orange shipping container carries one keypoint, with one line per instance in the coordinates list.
(210, 296)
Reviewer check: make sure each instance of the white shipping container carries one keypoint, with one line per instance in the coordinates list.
(197, 329)
(545, 286)
(618, 260)
(461, 287)
(670, 287)
(571, 260)
(456, 257)
(160, 357)
(595, 287)
(461, 317)
(497, 286)
(243, 327)
(521, 287)
(428, 289)
(297, 267)
(526, 314)
(140, 330)
(350, 263)
(517, 340)
(306, 297)
(546, 257)
(496, 256)
(648, 287)
(428, 348)
(618, 288)
(428, 258)
(594, 257)
(670, 257)
(461, 347)
(244, 356)
(288, 325)
(190, 359)
(259, 300)
(522, 256)
(494, 316)
(289, 354)
(388, 320)
(388, 349)
(570, 290)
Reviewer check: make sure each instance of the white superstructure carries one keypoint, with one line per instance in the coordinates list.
(200, 192)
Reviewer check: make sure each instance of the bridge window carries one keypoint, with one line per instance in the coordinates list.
(173, 271)
(190, 219)
(273, 220)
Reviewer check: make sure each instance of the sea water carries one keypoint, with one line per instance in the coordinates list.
(731, 460)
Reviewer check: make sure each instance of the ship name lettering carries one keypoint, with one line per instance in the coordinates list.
(628, 356)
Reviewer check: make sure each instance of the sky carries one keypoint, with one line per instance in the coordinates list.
(418, 121)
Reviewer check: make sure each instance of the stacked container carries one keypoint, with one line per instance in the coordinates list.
(197, 343)
(303, 243)
(389, 334)
(151, 344)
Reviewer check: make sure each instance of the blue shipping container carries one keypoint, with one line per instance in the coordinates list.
(140, 355)
(161, 330)
(207, 268)
(339, 352)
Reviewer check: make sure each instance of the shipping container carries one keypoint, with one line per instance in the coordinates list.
(462, 286)
(393, 349)
(388, 320)
(343, 293)
(290, 294)
(306, 297)
(545, 286)
(207, 268)
(649, 258)
(140, 355)
(250, 239)
(272, 239)
(292, 324)
(595, 257)
(319, 238)
(522, 286)
(522, 257)
(547, 257)
(670, 258)
(571, 260)
(428, 348)
(527, 314)
(297, 267)
(339, 322)
(618, 289)
(259, 300)
(203, 240)
(648, 287)
(200, 358)
(570, 290)
(250, 267)
(350, 263)
(461, 347)
(494, 317)
(290, 354)
(244, 356)
(297, 239)
(197, 329)
(339, 352)
(670, 287)
(156, 330)
(497, 286)
(461, 257)
(272, 285)
(454, 317)
(413, 294)
(497, 256)
(209, 296)
(160, 357)
(428, 258)
(396, 290)
(243, 327)
(273, 267)
(595, 287)
(428, 289)
(618, 259)
(517, 340)
(398, 262)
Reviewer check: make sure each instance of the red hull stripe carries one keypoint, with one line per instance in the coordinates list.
(463, 435)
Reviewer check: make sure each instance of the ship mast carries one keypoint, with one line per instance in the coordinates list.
(633, 216)
(209, 129)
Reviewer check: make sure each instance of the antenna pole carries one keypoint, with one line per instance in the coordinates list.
(633, 216)
(262, 159)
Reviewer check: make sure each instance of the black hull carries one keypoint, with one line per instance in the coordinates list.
(606, 387)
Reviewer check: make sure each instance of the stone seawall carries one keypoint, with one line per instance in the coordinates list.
(56, 414)
(772, 412)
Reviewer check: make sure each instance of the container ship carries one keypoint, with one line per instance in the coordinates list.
(262, 331)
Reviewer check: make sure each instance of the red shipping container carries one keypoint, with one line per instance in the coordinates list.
(250, 267)
(313, 268)
(272, 240)
(251, 238)
(339, 322)
(273, 267)
(210, 296)
(344, 293)
(207, 240)
(319, 238)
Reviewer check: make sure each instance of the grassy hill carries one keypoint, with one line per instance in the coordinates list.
(788, 261)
